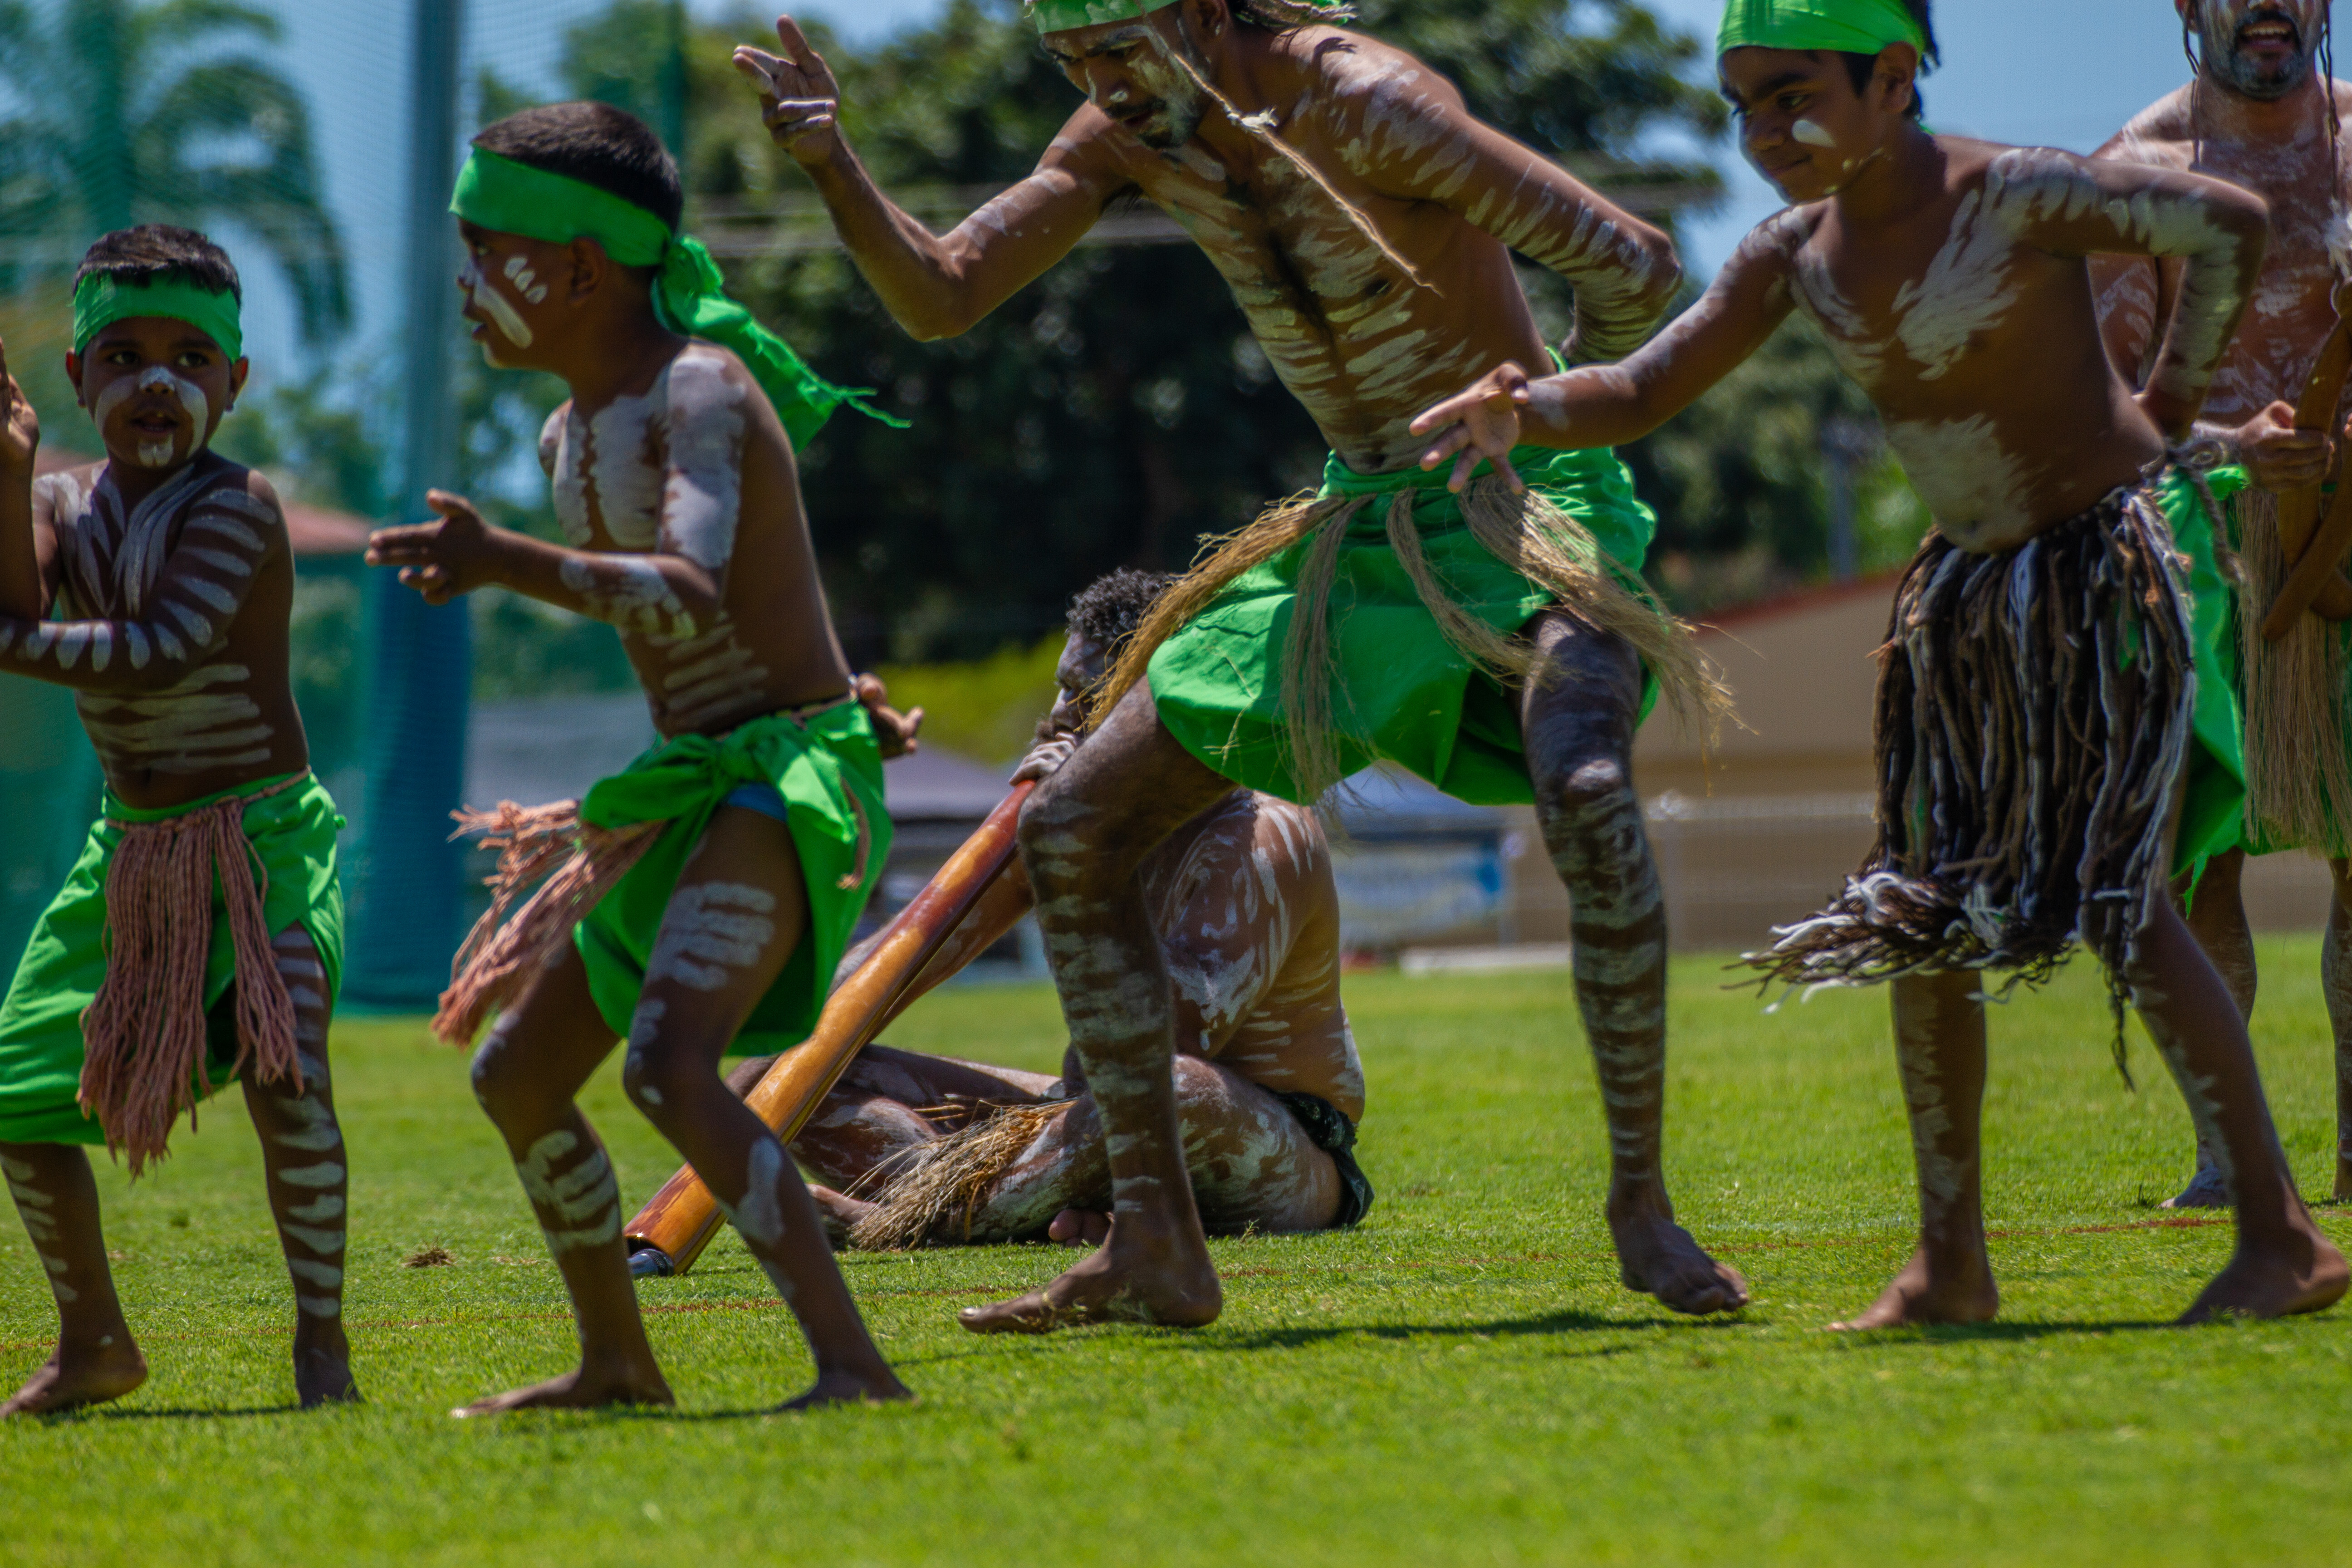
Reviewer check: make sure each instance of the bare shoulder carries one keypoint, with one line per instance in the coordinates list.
(1288, 835)
(551, 434)
(1362, 84)
(1774, 244)
(2161, 134)
(246, 494)
(66, 492)
(706, 379)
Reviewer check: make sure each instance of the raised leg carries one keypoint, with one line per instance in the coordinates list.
(740, 910)
(2217, 917)
(2282, 1263)
(1084, 834)
(526, 1076)
(1579, 734)
(1939, 1050)
(303, 1159)
(2335, 979)
(96, 1358)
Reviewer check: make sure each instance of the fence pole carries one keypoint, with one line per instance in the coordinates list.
(406, 883)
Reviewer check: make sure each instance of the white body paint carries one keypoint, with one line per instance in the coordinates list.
(711, 927)
(584, 1199)
(188, 393)
(485, 293)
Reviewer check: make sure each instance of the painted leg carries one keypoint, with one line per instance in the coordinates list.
(2282, 1263)
(96, 1358)
(1084, 834)
(2217, 917)
(740, 910)
(1579, 734)
(1939, 1050)
(2336, 980)
(526, 1076)
(303, 1159)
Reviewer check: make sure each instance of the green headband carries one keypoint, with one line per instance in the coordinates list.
(100, 302)
(689, 296)
(1846, 26)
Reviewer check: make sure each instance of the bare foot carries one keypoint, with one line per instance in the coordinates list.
(578, 1390)
(1919, 1294)
(1657, 1257)
(2275, 1283)
(2207, 1190)
(839, 1214)
(88, 1377)
(322, 1365)
(1079, 1228)
(851, 1388)
(2343, 1180)
(1129, 1280)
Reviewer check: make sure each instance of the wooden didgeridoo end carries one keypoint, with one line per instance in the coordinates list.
(683, 1216)
(2315, 582)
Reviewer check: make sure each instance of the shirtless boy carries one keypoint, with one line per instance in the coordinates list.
(1365, 222)
(1269, 1088)
(168, 569)
(2258, 116)
(712, 885)
(2039, 722)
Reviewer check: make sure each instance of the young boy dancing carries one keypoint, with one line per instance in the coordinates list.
(711, 888)
(2041, 711)
(168, 571)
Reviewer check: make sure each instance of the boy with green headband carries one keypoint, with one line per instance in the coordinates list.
(1502, 647)
(2054, 733)
(200, 935)
(711, 888)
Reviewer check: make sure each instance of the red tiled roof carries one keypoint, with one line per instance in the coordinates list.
(312, 529)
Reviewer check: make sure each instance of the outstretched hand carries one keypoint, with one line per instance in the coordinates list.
(800, 101)
(20, 427)
(439, 560)
(1480, 423)
(893, 731)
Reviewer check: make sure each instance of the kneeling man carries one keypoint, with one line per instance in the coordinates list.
(1268, 1086)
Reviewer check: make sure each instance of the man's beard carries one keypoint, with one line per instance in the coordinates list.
(2244, 76)
(1182, 118)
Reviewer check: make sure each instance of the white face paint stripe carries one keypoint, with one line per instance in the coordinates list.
(484, 292)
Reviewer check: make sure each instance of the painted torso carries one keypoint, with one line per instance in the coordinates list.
(193, 586)
(693, 467)
(1249, 924)
(2302, 177)
(1993, 386)
(1361, 344)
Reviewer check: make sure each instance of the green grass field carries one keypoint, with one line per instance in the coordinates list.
(1461, 1380)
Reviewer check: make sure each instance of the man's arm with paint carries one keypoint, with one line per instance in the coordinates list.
(675, 590)
(202, 589)
(22, 588)
(1411, 137)
(2070, 207)
(1608, 406)
(935, 286)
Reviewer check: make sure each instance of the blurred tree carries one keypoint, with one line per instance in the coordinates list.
(120, 111)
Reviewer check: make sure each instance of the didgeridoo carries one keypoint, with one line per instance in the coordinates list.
(2312, 551)
(683, 1216)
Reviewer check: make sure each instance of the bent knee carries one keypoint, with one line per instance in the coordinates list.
(502, 1084)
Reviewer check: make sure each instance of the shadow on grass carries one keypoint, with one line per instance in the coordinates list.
(173, 1413)
(1563, 1322)
(1947, 1333)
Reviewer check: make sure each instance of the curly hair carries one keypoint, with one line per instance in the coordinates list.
(1107, 610)
(1281, 15)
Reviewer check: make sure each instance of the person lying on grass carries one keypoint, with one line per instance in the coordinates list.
(1502, 647)
(711, 888)
(1268, 1088)
(2053, 727)
(169, 573)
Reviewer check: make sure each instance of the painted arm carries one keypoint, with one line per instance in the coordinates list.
(2066, 206)
(1607, 405)
(1411, 137)
(23, 585)
(198, 596)
(675, 589)
(935, 286)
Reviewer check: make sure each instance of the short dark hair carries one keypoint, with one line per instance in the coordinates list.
(1109, 609)
(1282, 16)
(1859, 67)
(161, 252)
(598, 145)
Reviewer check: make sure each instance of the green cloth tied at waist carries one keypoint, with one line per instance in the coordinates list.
(827, 768)
(292, 835)
(1404, 692)
(2213, 794)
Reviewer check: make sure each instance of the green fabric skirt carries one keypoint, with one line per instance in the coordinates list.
(828, 769)
(293, 840)
(1405, 694)
(2213, 796)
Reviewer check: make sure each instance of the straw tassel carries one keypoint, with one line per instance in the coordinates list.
(501, 957)
(143, 1032)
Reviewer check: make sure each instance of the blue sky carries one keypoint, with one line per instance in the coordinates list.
(2062, 72)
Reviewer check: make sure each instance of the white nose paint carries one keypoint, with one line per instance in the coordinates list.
(188, 393)
(485, 293)
(1811, 134)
